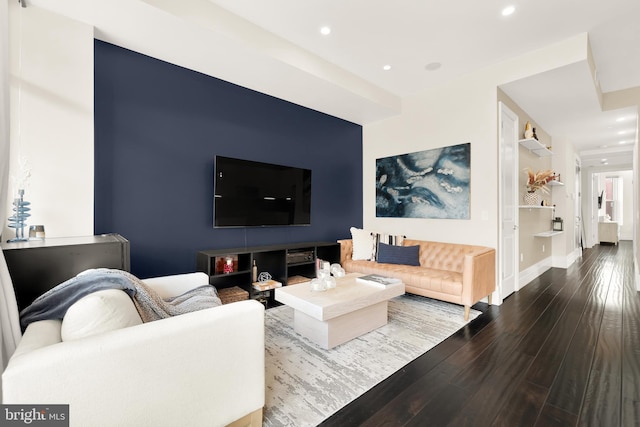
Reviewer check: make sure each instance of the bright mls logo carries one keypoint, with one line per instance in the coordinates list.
(35, 415)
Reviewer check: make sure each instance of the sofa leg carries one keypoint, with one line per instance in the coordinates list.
(467, 310)
(489, 298)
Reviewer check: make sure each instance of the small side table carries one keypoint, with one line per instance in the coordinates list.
(608, 232)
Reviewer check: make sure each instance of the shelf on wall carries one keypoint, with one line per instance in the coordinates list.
(555, 183)
(550, 233)
(535, 147)
(535, 207)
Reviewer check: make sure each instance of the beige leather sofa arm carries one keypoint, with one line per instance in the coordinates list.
(478, 277)
(346, 250)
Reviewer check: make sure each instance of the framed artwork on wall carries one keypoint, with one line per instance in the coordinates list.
(426, 184)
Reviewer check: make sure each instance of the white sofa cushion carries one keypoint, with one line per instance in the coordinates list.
(99, 312)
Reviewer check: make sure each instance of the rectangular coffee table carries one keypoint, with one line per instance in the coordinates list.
(335, 316)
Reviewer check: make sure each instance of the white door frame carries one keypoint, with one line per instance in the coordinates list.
(502, 165)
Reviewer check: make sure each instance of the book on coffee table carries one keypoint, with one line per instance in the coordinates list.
(377, 279)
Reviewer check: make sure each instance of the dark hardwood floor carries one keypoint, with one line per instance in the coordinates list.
(563, 351)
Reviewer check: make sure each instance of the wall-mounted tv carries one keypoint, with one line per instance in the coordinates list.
(256, 194)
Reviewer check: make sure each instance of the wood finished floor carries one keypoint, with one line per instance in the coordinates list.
(563, 351)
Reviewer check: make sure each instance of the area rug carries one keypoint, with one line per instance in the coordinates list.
(306, 384)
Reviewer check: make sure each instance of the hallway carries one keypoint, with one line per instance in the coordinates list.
(562, 351)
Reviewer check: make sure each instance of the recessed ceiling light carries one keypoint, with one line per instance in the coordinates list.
(620, 119)
(604, 146)
(622, 132)
(432, 66)
(508, 10)
(325, 31)
(386, 67)
(603, 160)
(623, 142)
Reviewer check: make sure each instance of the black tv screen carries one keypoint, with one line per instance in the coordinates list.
(256, 194)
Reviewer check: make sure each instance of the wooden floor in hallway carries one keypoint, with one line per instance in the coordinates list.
(563, 351)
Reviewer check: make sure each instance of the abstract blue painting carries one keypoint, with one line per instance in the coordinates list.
(425, 184)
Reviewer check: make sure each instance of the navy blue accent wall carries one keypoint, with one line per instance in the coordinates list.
(157, 129)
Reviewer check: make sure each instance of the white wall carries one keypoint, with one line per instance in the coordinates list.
(459, 112)
(626, 230)
(52, 118)
(564, 162)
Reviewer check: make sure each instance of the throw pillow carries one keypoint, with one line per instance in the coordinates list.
(389, 239)
(406, 255)
(362, 244)
(99, 312)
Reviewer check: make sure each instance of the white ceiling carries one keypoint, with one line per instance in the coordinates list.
(275, 47)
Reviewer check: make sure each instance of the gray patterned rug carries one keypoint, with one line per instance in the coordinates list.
(306, 384)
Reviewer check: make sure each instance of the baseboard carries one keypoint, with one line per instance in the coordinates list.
(530, 273)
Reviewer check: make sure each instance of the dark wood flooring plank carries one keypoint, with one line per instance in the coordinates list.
(575, 296)
(602, 401)
(522, 406)
(441, 409)
(555, 417)
(484, 405)
(569, 386)
(410, 401)
(630, 410)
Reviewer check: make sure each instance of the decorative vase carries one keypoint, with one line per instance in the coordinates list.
(20, 214)
(528, 132)
(531, 198)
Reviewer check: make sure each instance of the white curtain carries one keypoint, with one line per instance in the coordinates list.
(9, 324)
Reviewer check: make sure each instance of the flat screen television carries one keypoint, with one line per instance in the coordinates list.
(256, 194)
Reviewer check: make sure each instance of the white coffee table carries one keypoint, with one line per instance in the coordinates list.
(338, 315)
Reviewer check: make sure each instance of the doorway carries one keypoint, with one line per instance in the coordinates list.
(508, 259)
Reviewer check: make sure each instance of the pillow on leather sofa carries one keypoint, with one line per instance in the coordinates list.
(363, 244)
(405, 255)
(99, 312)
(388, 239)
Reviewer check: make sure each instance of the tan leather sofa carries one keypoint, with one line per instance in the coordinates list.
(456, 273)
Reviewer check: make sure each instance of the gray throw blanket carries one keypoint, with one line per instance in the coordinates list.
(54, 303)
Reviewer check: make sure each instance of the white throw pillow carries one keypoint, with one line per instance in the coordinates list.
(99, 312)
(363, 244)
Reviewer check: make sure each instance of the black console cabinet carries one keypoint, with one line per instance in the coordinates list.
(282, 262)
(36, 266)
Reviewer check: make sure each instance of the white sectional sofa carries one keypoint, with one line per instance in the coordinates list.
(197, 369)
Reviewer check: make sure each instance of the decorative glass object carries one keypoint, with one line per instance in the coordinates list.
(318, 285)
(324, 279)
(20, 214)
(330, 282)
(36, 232)
(337, 270)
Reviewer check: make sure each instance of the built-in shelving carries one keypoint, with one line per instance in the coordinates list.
(535, 147)
(550, 233)
(282, 262)
(535, 207)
